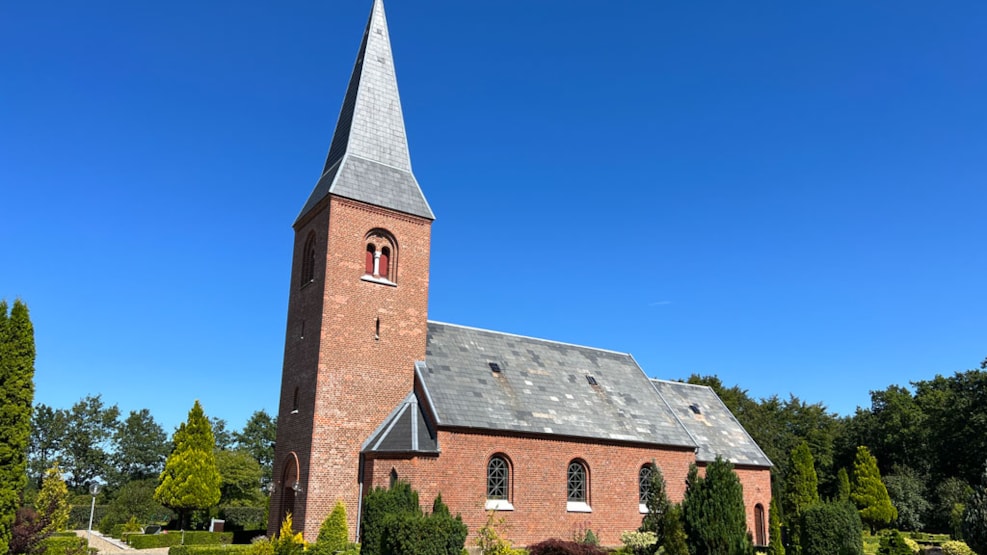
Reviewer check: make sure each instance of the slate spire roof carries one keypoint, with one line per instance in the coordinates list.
(368, 158)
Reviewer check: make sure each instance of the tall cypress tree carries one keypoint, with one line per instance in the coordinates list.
(869, 493)
(16, 395)
(190, 479)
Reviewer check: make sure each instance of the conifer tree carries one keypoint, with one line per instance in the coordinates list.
(842, 485)
(190, 479)
(16, 395)
(657, 503)
(713, 512)
(775, 541)
(801, 492)
(975, 518)
(333, 534)
(675, 541)
(53, 501)
(868, 492)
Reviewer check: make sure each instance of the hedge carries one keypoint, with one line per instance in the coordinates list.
(174, 537)
(64, 545)
(563, 547)
(210, 549)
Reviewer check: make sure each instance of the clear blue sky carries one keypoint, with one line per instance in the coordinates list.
(790, 195)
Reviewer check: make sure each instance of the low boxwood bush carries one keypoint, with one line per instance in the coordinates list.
(64, 545)
(562, 547)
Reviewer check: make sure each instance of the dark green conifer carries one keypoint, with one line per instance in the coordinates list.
(713, 512)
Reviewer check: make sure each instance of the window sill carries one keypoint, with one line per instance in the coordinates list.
(578, 507)
(642, 508)
(380, 280)
(498, 505)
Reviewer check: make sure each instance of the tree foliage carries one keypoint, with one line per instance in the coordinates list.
(842, 485)
(240, 478)
(377, 505)
(257, 438)
(190, 479)
(140, 448)
(17, 354)
(906, 488)
(48, 428)
(713, 512)
(52, 503)
(89, 430)
(775, 539)
(868, 492)
(975, 518)
(801, 492)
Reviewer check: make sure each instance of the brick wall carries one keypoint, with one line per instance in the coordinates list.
(538, 482)
(349, 379)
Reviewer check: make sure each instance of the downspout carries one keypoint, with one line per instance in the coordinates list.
(359, 499)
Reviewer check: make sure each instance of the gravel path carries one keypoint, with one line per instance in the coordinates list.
(110, 545)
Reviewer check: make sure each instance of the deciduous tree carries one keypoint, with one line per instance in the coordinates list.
(141, 447)
(975, 518)
(89, 432)
(16, 395)
(240, 479)
(48, 427)
(257, 438)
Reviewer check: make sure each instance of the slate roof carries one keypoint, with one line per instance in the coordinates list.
(542, 388)
(405, 430)
(368, 158)
(711, 424)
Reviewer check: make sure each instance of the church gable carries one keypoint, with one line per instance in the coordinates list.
(486, 380)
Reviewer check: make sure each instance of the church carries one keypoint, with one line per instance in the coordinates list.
(549, 436)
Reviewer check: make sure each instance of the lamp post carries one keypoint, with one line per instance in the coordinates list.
(93, 489)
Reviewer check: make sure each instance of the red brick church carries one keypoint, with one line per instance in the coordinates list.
(553, 437)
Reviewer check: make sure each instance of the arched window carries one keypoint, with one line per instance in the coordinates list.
(577, 487)
(498, 484)
(371, 256)
(308, 259)
(380, 259)
(393, 477)
(644, 482)
(384, 262)
(759, 538)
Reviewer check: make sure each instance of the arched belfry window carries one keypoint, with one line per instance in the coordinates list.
(577, 487)
(308, 259)
(381, 257)
(498, 484)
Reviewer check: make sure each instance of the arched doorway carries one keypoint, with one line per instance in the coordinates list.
(289, 484)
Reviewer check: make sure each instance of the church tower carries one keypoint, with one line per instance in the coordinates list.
(358, 301)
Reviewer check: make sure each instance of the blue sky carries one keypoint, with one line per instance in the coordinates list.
(789, 195)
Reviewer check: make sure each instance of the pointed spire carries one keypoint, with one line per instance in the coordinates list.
(368, 158)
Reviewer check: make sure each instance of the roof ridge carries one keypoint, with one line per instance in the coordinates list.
(676, 382)
(543, 340)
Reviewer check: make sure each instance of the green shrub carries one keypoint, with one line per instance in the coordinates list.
(415, 534)
(562, 547)
(377, 506)
(63, 545)
(832, 528)
(261, 546)
(638, 542)
(490, 542)
(894, 544)
(956, 548)
(79, 516)
(210, 550)
(334, 534)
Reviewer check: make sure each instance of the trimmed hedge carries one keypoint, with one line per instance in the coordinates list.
(563, 547)
(832, 528)
(64, 545)
(210, 549)
(411, 534)
(174, 537)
